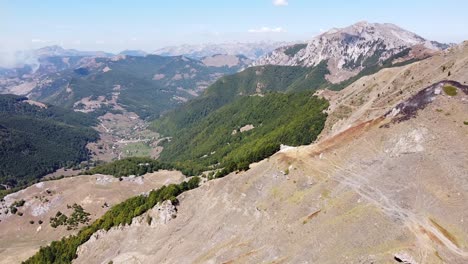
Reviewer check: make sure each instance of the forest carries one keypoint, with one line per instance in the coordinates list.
(218, 142)
(35, 140)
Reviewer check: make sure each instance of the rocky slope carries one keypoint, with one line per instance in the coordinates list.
(21, 238)
(349, 50)
(370, 96)
(385, 184)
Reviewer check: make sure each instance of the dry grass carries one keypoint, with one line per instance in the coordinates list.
(431, 235)
(446, 233)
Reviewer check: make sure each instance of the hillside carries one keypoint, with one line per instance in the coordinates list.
(352, 49)
(257, 126)
(401, 183)
(252, 81)
(95, 193)
(37, 139)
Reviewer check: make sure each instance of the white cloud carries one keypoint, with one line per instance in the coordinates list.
(267, 30)
(37, 40)
(280, 2)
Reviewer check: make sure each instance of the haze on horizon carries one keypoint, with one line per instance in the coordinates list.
(148, 25)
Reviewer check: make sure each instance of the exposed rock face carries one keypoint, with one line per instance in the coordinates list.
(349, 50)
(403, 257)
(160, 214)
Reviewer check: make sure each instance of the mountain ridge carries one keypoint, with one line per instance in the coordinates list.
(351, 49)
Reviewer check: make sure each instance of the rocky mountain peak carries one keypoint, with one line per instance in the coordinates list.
(349, 50)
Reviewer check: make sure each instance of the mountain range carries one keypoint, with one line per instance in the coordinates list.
(249, 50)
(148, 85)
(347, 148)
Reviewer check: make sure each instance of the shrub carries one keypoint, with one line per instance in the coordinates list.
(19, 203)
(149, 219)
(450, 90)
(294, 49)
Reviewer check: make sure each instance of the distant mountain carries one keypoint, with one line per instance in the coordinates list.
(350, 50)
(135, 53)
(57, 51)
(147, 85)
(31, 60)
(221, 60)
(249, 50)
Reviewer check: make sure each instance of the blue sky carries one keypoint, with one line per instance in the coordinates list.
(137, 24)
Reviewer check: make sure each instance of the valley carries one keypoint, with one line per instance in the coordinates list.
(124, 135)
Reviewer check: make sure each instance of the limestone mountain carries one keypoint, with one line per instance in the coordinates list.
(351, 49)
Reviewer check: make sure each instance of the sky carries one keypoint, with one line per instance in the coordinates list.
(137, 24)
